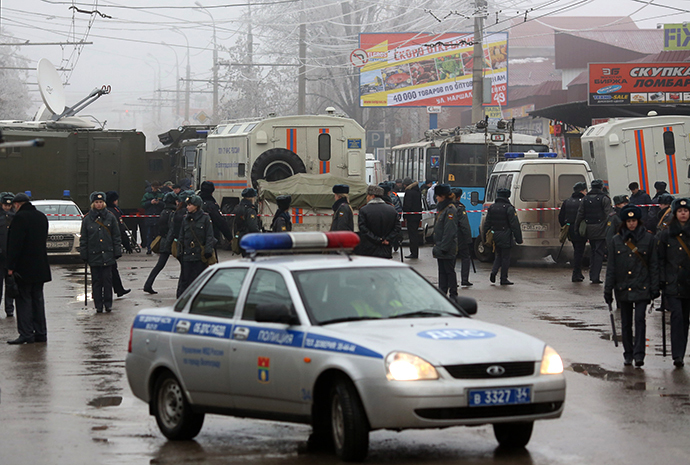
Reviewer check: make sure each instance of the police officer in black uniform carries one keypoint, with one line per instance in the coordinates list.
(503, 221)
(595, 211)
(6, 215)
(633, 273)
(446, 240)
(464, 237)
(246, 215)
(614, 222)
(112, 199)
(674, 276)
(379, 226)
(412, 206)
(281, 220)
(343, 218)
(567, 215)
(210, 206)
(660, 217)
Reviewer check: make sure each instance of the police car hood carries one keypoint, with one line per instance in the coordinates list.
(442, 341)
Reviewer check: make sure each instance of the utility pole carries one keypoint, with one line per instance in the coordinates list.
(302, 73)
(177, 82)
(188, 80)
(215, 118)
(478, 62)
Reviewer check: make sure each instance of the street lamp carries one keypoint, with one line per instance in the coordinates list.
(215, 62)
(188, 80)
(177, 81)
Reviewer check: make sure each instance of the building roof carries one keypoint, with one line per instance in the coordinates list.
(532, 71)
(665, 57)
(638, 40)
(540, 32)
(576, 51)
(545, 88)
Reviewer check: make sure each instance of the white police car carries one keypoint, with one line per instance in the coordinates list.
(346, 344)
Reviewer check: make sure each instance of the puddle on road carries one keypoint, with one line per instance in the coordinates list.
(596, 371)
(579, 325)
(107, 401)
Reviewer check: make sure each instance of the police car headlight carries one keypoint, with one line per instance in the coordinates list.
(551, 363)
(406, 367)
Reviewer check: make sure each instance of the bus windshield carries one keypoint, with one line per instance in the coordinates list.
(466, 165)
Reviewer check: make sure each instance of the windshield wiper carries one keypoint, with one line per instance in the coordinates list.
(424, 313)
(348, 318)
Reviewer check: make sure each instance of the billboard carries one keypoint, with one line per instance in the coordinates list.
(638, 83)
(676, 37)
(415, 69)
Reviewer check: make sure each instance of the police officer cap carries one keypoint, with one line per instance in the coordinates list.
(249, 192)
(660, 185)
(170, 198)
(580, 186)
(341, 189)
(442, 189)
(7, 197)
(283, 201)
(630, 212)
(184, 195)
(21, 197)
(195, 200)
(597, 184)
(96, 195)
(665, 199)
(457, 192)
(503, 192)
(386, 187)
(680, 203)
(619, 199)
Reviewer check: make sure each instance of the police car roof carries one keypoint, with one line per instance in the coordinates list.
(516, 164)
(299, 262)
(53, 202)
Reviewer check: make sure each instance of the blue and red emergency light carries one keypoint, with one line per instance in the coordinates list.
(513, 155)
(299, 240)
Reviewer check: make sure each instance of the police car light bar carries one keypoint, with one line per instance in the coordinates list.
(514, 155)
(256, 242)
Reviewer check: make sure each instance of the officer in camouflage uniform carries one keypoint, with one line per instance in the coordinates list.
(343, 218)
(503, 221)
(595, 211)
(281, 220)
(567, 215)
(446, 240)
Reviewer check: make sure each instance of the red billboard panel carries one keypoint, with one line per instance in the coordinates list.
(638, 83)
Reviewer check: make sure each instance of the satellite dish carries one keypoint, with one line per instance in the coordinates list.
(43, 113)
(50, 86)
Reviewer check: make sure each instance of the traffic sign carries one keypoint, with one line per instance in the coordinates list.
(359, 57)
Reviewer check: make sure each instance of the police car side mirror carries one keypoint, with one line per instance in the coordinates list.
(275, 313)
(468, 304)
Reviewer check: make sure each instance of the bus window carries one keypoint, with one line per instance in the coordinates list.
(415, 163)
(324, 147)
(466, 165)
(420, 169)
(491, 188)
(433, 155)
(535, 188)
(566, 183)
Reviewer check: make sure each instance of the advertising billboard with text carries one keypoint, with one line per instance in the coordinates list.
(414, 69)
(638, 83)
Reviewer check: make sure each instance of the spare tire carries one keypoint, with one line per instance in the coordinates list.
(276, 164)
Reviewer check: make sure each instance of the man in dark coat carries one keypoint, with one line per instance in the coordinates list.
(281, 219)
(503, 221)
(464, 237)
(170, 200)
(595, 211)
(379, 226)
(27, 261)
(446, 240)
(210, 206)
(152, 201)
(112, 199)
(6, 216)
(568, 215)
(662, 216)
(660, 187)
(343, 217)
(412, 202)
(639, 197)
(246, 218)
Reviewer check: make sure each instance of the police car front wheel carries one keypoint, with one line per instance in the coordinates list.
(349, 424)
(173, 413)
(513, 435)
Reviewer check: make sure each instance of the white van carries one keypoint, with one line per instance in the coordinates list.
(374, 170)
(535, 180)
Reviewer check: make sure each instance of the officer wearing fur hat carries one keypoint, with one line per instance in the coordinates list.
(660, 217)
(632, 272)
(165, 222)
(343, 217)
(6, 215)
(595, 211)
(674, 276)
(446, 240)
(567, 215)
(614, 222)
(281, 219)
(246, 219)
(379, 226)
(196, 241)
(220, 225)
(503, 221)
(100, 245)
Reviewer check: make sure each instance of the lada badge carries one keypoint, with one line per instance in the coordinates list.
(455, 334)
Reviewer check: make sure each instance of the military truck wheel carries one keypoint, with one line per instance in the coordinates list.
(276, 164)
(482, 251)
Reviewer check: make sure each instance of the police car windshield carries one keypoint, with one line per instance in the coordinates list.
(351, 294)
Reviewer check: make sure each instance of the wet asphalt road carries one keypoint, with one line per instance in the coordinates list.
(68, 401)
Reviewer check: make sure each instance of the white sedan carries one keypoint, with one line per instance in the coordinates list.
(64, 225)
(346, 344)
